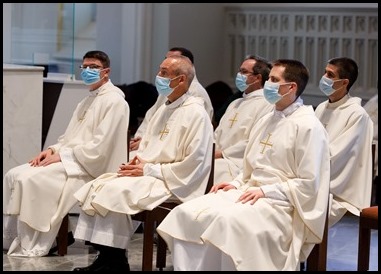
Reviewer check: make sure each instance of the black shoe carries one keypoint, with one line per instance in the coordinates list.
(114, 265)
(103, 265)
(97, 264)
(140, 229)
(70, 241)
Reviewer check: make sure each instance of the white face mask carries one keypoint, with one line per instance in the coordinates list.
(162, 85)
(326, 85)
(270, 92)
(240, 82)
(90, 76)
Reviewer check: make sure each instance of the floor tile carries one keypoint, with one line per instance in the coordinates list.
(342, 253)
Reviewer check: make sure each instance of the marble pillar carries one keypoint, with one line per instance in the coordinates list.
(22, 114)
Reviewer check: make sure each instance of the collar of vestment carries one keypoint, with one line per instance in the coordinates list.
(290, 109)
(178, 102)
(100, 90)
(338, 103)
(255, 93)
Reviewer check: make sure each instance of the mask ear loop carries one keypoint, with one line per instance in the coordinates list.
(105, 75)
(259, 79)
(342, 80)
(287, 93)
(248, 85)
(174, 79)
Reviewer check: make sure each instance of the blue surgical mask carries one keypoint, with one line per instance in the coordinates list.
(326, 85)
(270, 91)
(90, 76)
(162, 85)
(240, 82)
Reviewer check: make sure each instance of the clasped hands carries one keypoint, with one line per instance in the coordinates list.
(133, 168)
(45, 158)
(250, 195)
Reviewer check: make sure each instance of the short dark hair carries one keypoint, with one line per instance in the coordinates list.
(294, 71)
(347, 69)
(99, 55)
(184, 52)
(261, 66)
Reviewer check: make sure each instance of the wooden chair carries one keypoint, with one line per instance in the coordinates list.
(128, 144)
(373, 201)
(317, 260)
(152, 219)
(368, 221)
(62, 236)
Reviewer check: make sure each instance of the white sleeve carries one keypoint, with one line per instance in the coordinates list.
(153, 170)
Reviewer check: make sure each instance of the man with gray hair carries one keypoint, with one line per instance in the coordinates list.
(195, 89)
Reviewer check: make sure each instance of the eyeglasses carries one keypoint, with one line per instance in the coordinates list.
(242, 71)
(90, 67)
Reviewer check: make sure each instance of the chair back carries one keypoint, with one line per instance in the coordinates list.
(373, 160)
(128, 144)
(211, 175)
(317, 260)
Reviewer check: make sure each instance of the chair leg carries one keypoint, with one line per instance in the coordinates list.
(317, 260)
(364, 248)
(149, 228)
(161, 255)
(62, 237)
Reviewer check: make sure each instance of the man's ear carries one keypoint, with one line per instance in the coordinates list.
(183, 78)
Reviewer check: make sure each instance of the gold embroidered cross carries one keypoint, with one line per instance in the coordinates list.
(266, 143)
(232, 120)
(164, 131)
(200, 212)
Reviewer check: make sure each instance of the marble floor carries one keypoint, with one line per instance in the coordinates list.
(342, 253)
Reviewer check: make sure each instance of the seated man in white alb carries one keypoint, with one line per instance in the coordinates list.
(37, 195)
(232, 134)
(350, 131)
(196, 89)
